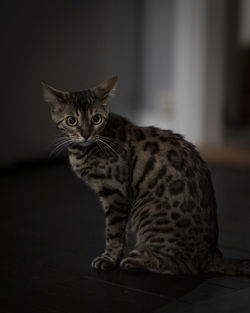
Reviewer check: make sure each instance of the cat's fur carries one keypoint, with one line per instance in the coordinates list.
(153, 177)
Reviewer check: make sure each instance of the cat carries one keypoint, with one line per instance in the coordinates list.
(152, 177)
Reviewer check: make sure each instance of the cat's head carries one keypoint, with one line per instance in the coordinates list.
(82, 115)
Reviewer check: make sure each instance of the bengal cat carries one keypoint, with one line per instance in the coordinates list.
(152, 177)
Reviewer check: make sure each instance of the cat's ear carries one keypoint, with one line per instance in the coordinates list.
(52, 95)
(105, 90)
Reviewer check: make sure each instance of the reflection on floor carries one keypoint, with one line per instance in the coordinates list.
(52, 227)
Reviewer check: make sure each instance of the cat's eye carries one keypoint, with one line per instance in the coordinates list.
(97, 119)
(71, 121)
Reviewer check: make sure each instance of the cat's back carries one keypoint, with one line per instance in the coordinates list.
(164, 147)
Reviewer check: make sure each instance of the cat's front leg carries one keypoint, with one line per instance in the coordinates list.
(116, 217)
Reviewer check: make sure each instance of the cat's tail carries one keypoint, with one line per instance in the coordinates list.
(227, 266)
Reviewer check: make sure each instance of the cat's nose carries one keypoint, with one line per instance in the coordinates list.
(85, 138)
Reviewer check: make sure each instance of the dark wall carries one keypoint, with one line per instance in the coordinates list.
(68, 44)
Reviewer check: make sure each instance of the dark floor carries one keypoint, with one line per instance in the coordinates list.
(52, 227)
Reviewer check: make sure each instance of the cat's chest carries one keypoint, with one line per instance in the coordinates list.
(91, 167)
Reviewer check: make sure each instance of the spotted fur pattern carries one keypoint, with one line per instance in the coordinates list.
(152, 177)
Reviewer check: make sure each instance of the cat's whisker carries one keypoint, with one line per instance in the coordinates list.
(59, 149)
(63, 138)
(104, 147)
(108, 138)
(100, 146)
(117, 147)
(111, 140)
(60, 146)
(53, 152)
(58, 139)
(63, 142)
(108, 146)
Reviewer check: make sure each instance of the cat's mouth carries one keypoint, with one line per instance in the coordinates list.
(83, 142)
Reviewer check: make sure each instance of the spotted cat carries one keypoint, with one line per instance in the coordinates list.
(152, 177)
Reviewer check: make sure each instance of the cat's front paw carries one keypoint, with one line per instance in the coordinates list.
(103, 263)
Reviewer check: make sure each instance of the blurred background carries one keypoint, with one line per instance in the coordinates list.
(182, 65)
